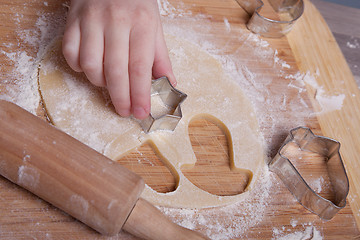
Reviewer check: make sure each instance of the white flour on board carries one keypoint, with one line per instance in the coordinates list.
(327, 103)
(309, 232)
(241, 216)
(236, 219)
(227, 25)
(25, 90)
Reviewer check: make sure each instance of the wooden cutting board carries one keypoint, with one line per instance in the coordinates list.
(309, 47)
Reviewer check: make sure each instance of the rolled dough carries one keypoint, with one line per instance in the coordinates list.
(86, 113)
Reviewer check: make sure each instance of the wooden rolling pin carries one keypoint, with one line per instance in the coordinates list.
(77, 179)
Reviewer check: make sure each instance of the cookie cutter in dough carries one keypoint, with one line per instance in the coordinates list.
(288, 10)
(171, 99)
(305, 139)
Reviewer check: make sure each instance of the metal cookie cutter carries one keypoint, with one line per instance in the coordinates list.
(165, 106)
(288, 10)
(329, 149)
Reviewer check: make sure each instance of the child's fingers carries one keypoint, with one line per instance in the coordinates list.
(71, 44)
(162, 64)
(92, 50)
(116, 67)
(118, 44)
(141, 60)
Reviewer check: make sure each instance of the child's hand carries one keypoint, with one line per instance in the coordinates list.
(118, 44)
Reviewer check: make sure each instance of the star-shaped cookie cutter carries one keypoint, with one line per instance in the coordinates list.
(170, 98)
(328, 148)
(288, 11)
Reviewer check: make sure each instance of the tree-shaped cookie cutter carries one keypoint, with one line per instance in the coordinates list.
(172, 98)
(305, 139)
(288, 11)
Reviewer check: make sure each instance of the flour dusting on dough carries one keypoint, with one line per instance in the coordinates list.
(240, 217)
(78, 108)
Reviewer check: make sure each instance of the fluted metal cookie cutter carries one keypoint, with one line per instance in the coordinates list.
(165, 111)
(328, 148)
(288, 12)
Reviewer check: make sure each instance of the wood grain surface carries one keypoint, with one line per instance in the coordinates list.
(344, 23)
(320, 55)
(25, 216)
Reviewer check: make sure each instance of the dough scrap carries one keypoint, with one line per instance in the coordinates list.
(86, 113)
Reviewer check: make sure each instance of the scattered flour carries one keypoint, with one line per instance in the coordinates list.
(24, 93)
(236, 220)
(239, 63)
(79, 203)
(353, 44)
(25, 90)
(168, 10)
(293, 222)
(227, 25)
(317, 184)
(326, 103)
(28, 177)
(309, 232)
(329, 103)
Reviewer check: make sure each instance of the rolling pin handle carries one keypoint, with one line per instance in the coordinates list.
(147, 222)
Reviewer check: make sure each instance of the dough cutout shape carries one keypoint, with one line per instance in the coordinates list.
(214, 171)
(86, 113)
